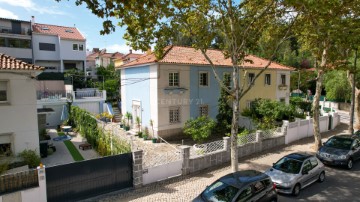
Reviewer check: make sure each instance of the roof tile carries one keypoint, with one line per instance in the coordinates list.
(191, 56)
(10, 63)
(64, 32)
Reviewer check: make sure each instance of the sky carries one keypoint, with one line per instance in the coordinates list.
(66, 13)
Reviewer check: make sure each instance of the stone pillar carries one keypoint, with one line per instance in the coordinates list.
(227, 148)
(185, 152)
(137, 168)
(258, 141)
(42, 184)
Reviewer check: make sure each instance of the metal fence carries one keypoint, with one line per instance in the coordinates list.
(270, 133)
(18, 181)
(155, 159)
(207, 148)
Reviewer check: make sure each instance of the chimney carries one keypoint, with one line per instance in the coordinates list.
(32, 20)
(130, 51)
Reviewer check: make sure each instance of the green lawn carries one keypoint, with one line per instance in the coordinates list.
(72, 149)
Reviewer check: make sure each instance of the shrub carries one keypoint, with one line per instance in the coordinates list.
(4, 167)
(200, 128)
(30, 157)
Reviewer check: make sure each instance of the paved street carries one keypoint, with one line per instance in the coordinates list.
(340, 184)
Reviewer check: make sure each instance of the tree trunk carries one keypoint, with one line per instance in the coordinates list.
(352, 81)
(357, 109)
(315, 106)
(235, 123)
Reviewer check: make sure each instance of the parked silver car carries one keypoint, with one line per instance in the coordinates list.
(296, 171)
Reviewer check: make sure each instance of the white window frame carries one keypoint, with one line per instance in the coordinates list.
(201, 110)
(281, 79)
(251, 80)
(172, 84)
(171, 116)
(207, 79)
(77, 47)
(7, 91)
(248, 103)
(268, 81)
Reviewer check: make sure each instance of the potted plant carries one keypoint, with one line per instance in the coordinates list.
(154, 139)
(146, 133)
(140, 134)
(122, 123)
(138, 123)
(128, 116)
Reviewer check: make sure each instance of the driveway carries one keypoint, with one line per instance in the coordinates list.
(340, 184)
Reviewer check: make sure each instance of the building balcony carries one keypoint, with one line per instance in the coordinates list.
(70, 96)
(174, 90)
(283, 87)
(9, 30)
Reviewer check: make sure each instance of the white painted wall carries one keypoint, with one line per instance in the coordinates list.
(283, 93)
(162, 172)
(154, 111)
(67, 52)
(165, 101)
(304, 127)
(45, 55)
(19, 117)
(17, 52)
(92, 107)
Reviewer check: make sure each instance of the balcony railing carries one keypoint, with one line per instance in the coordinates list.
(70, 95)
(9, 30)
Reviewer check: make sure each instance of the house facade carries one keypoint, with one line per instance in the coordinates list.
(18, 113)
(181, 85)
(58, 48)
(15, 39)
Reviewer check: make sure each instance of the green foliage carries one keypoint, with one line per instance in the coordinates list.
(111, 80)
(199, 129)
(77, 77)
(4, 166)
(307, 81)
(30, 157)
(267, 112)
(300, 103)
(337, 86)
(72, 149)
(225, 112)
(128, 116)
(87, 126)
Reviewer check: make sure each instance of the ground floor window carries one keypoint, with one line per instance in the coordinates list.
(174, 115)
(5, 149)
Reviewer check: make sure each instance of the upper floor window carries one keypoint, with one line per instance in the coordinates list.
(204, 79)
(78, 47)
(174, 79)
(15, 43)
(174, 115)
(250, 104)
(75, 47)
(204, 110)
(267, 79)
(3, 91)
(251, 78)
(47, 46)
(283, 79)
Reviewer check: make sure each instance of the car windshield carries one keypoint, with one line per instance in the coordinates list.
(288, 165)
(219, 191)
(339, 143)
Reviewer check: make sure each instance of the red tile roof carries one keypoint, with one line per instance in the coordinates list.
(10, 63)
(188, 55)
(64, 32)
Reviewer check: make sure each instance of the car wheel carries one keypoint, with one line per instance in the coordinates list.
(296, 190)
(322, 177)
(349, 164)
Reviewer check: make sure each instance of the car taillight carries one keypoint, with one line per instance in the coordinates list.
(274, 186)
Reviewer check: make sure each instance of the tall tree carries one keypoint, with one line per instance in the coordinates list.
(321, 30)
(239, 24)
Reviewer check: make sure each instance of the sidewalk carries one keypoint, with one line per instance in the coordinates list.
(186, 188)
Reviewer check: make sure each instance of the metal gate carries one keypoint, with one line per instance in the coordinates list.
(85, 179)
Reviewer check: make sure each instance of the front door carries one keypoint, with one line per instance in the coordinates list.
(136, 112)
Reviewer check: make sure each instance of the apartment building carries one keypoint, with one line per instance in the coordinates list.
(15, 39)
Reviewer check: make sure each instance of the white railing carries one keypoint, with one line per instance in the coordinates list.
(245, 139)
(207, 148)
(270, 133)
(67, 95)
